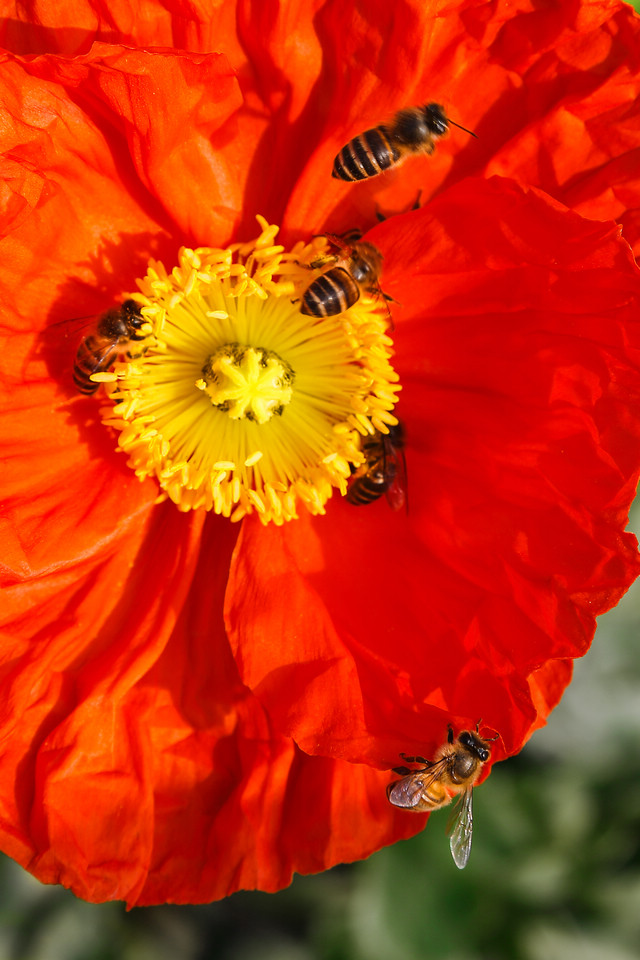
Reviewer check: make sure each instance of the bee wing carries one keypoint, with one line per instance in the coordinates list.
(397, 492)
(58, 342)
(73, 328)
(395, 464)
(408, 791)
(460, 829)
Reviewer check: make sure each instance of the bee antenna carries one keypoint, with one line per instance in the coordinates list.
(460, 127)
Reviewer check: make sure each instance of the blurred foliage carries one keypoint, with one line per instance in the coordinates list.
(554, 873)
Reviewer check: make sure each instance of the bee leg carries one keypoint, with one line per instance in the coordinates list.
(321, 262)
(389, 299)
(415, 759)
(401, 771)
(450, 733)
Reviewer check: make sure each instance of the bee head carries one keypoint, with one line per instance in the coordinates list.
(435, 119)
(475, 745)
(366, 262)
(130, 314)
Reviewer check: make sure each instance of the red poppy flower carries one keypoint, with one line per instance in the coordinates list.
(192, 706)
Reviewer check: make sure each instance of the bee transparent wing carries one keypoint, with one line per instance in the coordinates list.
(408, 792)
(460, 829)
(59, 342)
(72, 329)
(397, 492)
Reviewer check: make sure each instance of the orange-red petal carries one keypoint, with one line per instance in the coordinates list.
(143, 769)
(141, 761)
(517, 346)
(552, 92)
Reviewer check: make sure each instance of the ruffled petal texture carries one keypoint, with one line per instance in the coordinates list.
(551, 91)
(125, 725)
(152, 774)
(191, 707)
(517, 346)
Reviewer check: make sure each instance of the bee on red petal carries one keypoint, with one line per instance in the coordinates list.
(414, 130)
(452, 773)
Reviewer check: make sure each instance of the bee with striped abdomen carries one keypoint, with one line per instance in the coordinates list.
(114, 329)
(412, 131)
(452, 773)
(383, 472)
(354, 270)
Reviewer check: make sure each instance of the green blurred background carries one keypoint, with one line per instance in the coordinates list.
(554, 873)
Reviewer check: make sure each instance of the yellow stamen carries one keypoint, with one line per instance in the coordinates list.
(247, 382)
(238, 402)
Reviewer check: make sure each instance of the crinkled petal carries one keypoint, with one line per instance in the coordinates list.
(144, 758)
(71, 26)
(517, 346)
(552, 93)
(529, 81)
(139, 91)
(119, 742)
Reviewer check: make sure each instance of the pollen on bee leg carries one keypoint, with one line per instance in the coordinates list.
(238, 402)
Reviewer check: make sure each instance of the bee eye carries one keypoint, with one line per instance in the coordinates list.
(360, 270)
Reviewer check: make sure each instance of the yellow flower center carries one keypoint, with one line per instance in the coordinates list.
(246, 381)
(238, 402)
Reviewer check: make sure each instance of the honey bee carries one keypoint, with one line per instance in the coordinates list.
(453, 772)
(413, 130)
(354, 270)
(113, 331)
(384, 470)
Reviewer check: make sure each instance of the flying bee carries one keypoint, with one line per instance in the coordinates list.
(453, 772)
(384, 470)
(354, 270)
(413, 130)
(114, 329)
